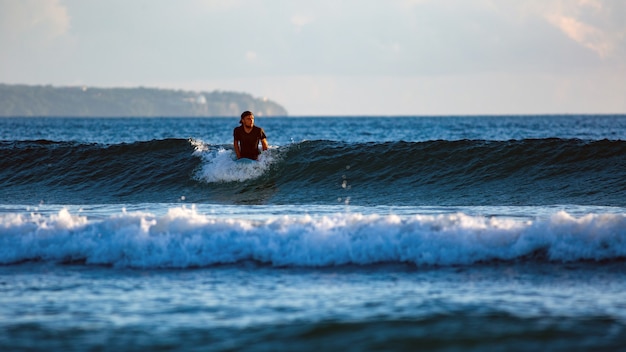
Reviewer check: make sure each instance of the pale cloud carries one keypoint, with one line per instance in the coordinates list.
(31, 35)
(586, 35)
(299, 21)
(251, 55)
(590, 23)
(596, 25)
(596, 4)
(39, 20)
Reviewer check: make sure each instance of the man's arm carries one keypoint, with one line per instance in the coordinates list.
(236, 147)
(264, 144)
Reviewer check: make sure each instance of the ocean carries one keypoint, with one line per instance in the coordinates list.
(472, 233)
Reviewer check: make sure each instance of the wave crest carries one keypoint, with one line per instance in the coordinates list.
(184, 238)
(467, 172)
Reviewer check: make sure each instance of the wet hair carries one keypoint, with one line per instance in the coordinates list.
(245, 114)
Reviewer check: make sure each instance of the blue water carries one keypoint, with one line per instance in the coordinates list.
(356, 233)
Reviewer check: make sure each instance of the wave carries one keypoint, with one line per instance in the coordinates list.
(71, 172)
(464, 172)
(184, 238)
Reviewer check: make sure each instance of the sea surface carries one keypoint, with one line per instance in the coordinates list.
(460, 233)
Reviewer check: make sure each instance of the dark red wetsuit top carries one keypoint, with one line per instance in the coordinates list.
(249, 142)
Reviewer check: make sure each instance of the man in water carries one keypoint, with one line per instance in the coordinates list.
(247, 137)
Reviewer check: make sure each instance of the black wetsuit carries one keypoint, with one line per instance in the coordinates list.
(249, 142)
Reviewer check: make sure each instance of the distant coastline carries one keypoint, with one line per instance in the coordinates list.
(85, 101)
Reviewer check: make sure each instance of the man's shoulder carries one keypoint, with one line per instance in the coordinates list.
(261, 133)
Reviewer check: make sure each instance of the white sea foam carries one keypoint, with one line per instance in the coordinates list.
(220, 165)
(183, 237)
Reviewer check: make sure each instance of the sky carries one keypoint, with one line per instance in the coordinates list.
(333, 57)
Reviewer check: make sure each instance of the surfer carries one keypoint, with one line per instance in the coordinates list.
(247, 137)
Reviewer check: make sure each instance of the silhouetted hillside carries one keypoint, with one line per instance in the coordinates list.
(25, 100)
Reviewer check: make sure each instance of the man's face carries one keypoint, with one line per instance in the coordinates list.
(248, 121)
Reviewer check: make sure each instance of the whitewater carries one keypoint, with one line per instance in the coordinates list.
(356, 233)
(184, 238)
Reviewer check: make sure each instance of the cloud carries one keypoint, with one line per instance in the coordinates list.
(584, 34)
(35, 40)
(299, 21)
(37, 20)
(251, 55)
(593, 24)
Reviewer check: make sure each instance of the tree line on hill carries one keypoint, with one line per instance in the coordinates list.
(27, 100)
